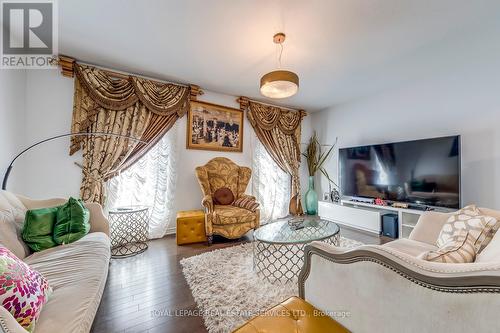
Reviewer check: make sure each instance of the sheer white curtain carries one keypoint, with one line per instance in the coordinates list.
(270, 185)
(150, 182)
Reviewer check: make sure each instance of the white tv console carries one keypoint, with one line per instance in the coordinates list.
(367, 216)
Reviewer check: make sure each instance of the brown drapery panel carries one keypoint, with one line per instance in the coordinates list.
(130, 106)
(279, 131)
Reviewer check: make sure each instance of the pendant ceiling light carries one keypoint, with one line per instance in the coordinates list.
(279, 83)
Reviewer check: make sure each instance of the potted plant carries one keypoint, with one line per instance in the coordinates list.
(316, 159)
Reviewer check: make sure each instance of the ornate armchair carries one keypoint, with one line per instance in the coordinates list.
(226, 220)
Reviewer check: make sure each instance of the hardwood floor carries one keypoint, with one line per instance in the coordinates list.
(141, 289)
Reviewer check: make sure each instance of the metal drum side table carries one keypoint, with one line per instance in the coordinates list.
(129, 230)
(278, 248)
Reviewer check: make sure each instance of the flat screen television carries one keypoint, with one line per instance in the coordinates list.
(421, 172)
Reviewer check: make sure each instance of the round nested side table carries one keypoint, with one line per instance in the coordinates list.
(129, 230)
(278, 247)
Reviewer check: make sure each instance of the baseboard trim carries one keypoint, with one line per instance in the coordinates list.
(371, 232)
(171, 231)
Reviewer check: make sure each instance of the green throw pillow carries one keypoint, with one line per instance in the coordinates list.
(38, 228)
(72, 222)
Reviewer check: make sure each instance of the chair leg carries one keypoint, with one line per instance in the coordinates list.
(210, 239)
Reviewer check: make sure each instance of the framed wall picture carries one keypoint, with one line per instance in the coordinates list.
(214, 127)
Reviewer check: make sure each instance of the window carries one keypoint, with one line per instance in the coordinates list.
(270, 185)
(150, 182)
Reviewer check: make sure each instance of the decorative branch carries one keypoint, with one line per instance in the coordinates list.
(317, 158)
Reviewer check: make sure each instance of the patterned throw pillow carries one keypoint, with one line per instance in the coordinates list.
(246, 203)
(481, 227)
(23, 291)
(460, 248)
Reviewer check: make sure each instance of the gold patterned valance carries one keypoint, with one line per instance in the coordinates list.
(269, 117)
(120, 93)
(161, 98)
(120, 104)
(96, 88)
(108, 92)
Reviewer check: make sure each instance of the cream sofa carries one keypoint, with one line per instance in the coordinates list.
(385, 288)
(77, 272)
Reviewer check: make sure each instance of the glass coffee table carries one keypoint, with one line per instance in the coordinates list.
(278, 248)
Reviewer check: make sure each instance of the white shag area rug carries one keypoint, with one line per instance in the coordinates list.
(228, 291)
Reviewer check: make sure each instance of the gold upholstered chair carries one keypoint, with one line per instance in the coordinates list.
(236, 217)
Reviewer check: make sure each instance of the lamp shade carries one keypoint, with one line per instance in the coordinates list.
(279, 84)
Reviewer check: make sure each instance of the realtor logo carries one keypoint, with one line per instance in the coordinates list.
(29, 34)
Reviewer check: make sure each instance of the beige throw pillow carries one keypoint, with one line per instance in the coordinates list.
(480, 227)
(460, 248)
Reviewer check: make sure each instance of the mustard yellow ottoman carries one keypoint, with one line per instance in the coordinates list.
(292, 316)
(191, 227)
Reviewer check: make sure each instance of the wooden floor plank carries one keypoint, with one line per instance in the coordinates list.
(141, 287)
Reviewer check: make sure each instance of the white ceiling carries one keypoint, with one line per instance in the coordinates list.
(341, 49)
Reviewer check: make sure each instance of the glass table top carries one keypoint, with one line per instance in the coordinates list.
(281, 232)
(128, 209)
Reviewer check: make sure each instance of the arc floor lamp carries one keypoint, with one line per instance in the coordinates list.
(11, 165)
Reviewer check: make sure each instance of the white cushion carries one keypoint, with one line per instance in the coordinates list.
(77, 273)
(12, 213)
(410, 247)
(10, 236)
(9, 203)
(491, 252)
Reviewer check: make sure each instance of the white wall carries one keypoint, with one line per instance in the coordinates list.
(12, 113)
(48, 171)
(456, 91)
(188, 193)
